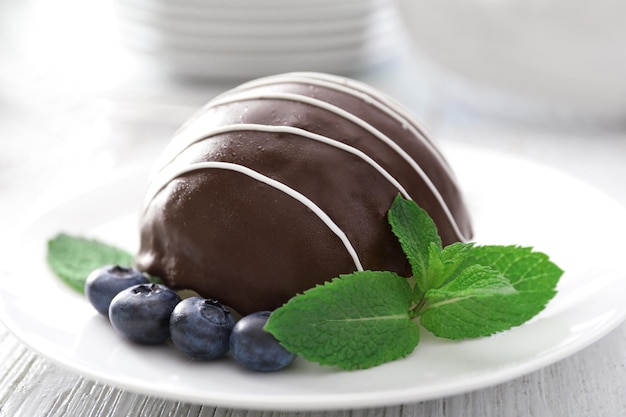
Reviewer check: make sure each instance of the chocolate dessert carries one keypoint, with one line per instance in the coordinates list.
(284, 183)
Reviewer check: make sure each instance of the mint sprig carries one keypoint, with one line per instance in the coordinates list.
(459, 291)
(72, 258)
(475, 304)
(353, 326)
(416, 233)
(367, 318)
(531, 274)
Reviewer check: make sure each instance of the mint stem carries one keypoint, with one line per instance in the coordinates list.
(415, 310)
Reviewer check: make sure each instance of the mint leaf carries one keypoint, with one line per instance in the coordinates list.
(355, 321)
(444, 265)
(415, 231)
(475, 304)
(532, 274)
(72, 258)
(478, 303)
(528, 271)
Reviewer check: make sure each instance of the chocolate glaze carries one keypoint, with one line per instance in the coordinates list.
(253, 243)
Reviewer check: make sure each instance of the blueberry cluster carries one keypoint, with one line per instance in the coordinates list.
(204, 329)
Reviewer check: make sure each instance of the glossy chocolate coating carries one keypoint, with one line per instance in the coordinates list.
(232, 237)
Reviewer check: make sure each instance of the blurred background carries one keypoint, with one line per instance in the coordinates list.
(100, 78)
(90, 89)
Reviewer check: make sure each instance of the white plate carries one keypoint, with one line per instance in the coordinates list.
(513, 202)
(245, 66)
(256, 11)
(217, 30)
(264, 40)
(382, 44)
(246, 42)
(214, 35)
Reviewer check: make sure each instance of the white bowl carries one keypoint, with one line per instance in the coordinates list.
(553, 57)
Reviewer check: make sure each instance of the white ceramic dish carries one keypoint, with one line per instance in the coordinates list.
(246, 66)
(224, 29)
(249, 43)
(227, 28)
(512, 201)
(564, 58)
(242, 65)
(260, 4)
(231, 38)
(260, 11)
(245, 42)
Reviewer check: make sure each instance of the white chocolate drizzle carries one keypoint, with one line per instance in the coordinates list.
(250, 127)
(345, 85)
(243, 96)
(277, 185)
(359, 90)
(188, 135)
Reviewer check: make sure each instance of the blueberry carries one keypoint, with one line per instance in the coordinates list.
(105, 283)
(256, 349)
(142, 313)
(201, 328)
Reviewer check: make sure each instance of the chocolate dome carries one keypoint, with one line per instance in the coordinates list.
(285, 182)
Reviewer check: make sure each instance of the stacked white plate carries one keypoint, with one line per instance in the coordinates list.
(250, 38)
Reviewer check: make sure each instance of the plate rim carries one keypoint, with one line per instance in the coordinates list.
(299, 403)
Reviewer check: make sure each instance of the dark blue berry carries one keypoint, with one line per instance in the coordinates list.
(105, 283)
(201, 328)
(142, 313)
(256, 349)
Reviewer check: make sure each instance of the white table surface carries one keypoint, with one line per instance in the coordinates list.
(65, 125)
